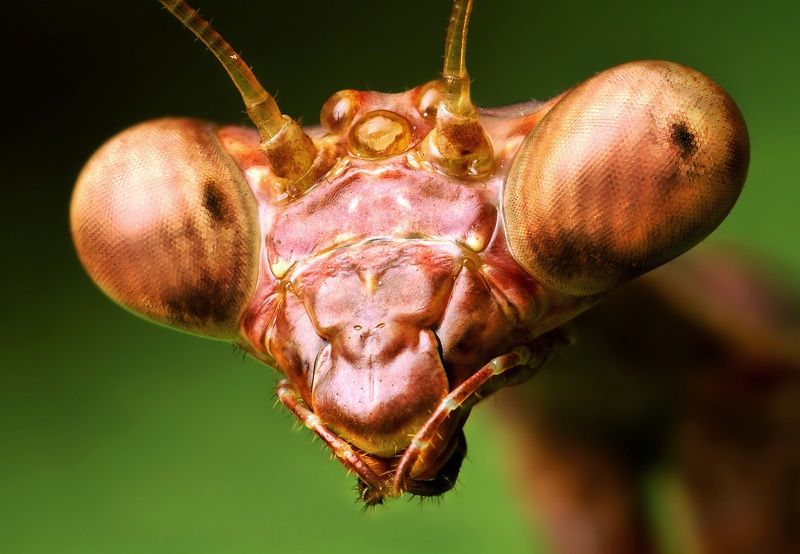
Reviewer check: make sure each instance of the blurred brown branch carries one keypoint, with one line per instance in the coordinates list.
(694, 370)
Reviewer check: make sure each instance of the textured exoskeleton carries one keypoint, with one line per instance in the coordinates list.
(413, 253)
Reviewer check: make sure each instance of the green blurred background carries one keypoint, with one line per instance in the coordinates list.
(120, 436)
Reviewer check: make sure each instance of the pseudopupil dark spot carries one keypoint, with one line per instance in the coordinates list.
(684, 139)
(213, 201)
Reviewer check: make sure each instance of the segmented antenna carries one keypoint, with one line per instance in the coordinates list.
(289, 150)
(455, 80)
(458, 145)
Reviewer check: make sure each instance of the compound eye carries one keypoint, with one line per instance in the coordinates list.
(165, 224)
(630, 169)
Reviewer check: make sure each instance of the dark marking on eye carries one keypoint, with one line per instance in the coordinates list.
(214, 202)
(572, 256)
(209, 302)
(684, 139)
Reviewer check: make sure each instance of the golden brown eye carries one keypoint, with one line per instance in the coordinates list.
(338, 111)
(627, 171)
(428, 99)
(379, 134)
(165, 224)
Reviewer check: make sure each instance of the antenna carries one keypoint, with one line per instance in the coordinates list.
(458, 145)
(290, 151)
